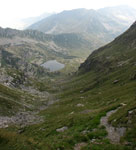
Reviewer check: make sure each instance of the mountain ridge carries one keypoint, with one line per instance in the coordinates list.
(109, 18)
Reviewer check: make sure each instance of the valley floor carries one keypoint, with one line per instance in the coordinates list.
(91, 112)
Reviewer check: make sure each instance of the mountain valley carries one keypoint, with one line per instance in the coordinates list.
(90, 103)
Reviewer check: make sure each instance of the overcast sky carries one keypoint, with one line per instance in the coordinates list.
(12, 11)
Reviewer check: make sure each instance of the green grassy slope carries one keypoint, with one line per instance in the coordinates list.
(13, 100)
(98, 95)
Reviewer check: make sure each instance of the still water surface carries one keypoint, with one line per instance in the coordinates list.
(53, 65)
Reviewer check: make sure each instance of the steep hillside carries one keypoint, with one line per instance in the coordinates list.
(116, 54)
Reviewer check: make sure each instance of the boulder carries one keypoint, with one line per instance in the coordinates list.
(62, 129)
(80, 105)
(115, 81)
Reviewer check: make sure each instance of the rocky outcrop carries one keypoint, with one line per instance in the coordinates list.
(22, 119)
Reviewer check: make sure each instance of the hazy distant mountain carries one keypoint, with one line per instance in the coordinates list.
(117, 19)
(109, 21)
(31, 20)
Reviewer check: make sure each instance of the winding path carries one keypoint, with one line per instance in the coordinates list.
(114, 134)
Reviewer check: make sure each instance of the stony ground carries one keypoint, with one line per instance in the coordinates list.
(114, 134)
(22, 119)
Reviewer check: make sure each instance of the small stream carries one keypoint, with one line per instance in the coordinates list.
(114, 134)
